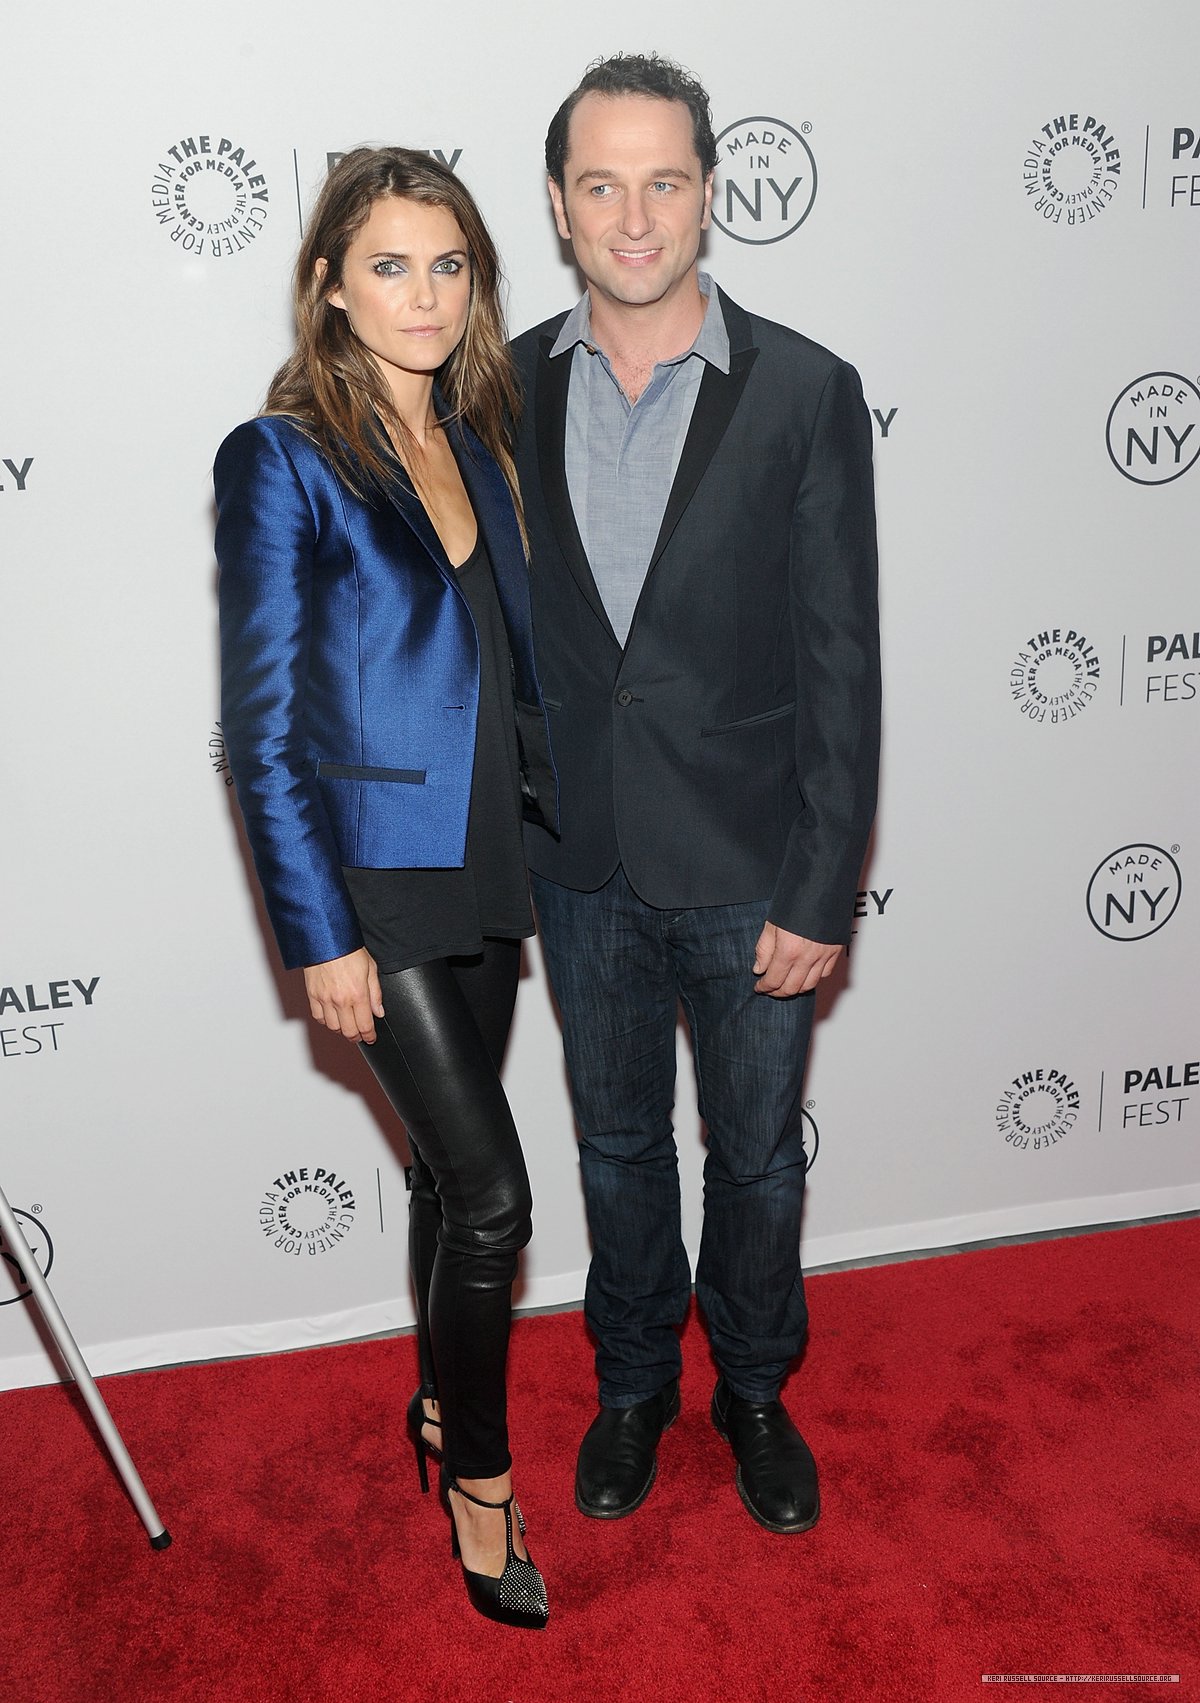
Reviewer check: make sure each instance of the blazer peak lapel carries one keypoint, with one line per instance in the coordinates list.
(718, 396)
(551, 389)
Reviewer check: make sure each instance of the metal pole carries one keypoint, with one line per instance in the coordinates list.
(15, 1237)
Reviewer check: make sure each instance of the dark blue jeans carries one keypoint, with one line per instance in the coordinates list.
(619, 969)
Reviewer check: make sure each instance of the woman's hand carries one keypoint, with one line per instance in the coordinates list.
(344, 994)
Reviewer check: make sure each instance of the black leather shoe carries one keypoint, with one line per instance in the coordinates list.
(617, 1460)
(776, 1475)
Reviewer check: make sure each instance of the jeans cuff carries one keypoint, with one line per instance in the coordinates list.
(759, 1394)
(622, 1400)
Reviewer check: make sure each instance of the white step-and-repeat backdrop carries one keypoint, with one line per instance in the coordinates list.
(994, 211)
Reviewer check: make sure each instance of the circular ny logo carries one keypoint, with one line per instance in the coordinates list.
(208, 197)
(1055, 676)
(14, 1285)
(1037, 1109)
(308, 1210)
(1134, 892)
(1153, 430)
(1072, 167)
(766, 180)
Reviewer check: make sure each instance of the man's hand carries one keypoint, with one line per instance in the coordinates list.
(788, 963)
(344, 994)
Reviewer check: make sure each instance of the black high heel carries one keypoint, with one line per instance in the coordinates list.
(518, 1596)
(422, 1447)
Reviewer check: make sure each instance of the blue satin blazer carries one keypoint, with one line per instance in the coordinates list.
(350, 675)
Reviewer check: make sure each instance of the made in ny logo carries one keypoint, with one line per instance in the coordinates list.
(1054, 676)
(1037, 1109)
(1153, 428)
(766, 180)
(14, 1284)
(1072, 168)
(307, 1211)
(1134, 892)
(209, 195)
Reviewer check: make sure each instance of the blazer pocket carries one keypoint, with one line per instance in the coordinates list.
(749, 721)
(352, 772)
(552, 703)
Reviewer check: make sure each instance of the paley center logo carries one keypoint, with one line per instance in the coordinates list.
(217, 756)
(1185, 149)
(766, 180)
(17, 472)
(209, 195)
(14, 1285)
(1134, 891)
(1150, 1094)
(307, 1211)
(1168, 679)
(1072, 168)
(1036, 1109)
(24, 999)
(1153, 429)
(1055, 675)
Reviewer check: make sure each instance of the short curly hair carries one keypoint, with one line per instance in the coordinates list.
(635, 74)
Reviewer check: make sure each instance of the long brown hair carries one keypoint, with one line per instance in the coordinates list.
(331, 385)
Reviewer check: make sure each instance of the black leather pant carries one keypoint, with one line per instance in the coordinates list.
(437, 1056)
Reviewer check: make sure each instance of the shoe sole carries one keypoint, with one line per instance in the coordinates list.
(760, 1519)
(630, 1507)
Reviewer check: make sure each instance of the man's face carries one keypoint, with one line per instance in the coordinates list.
(634, 200)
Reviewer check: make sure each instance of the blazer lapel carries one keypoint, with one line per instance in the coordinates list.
(411, 509)
(550, 395)
(493, 505)
(718, 396)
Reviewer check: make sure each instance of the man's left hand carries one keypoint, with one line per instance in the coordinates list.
(786, 964)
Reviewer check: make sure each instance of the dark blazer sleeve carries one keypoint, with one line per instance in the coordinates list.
(265, 543)
(835, 624)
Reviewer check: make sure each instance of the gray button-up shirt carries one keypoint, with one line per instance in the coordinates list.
(622, 457)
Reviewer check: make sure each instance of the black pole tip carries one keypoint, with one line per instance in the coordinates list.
(162, 1541)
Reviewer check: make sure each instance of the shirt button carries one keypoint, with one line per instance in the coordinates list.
(624, 696)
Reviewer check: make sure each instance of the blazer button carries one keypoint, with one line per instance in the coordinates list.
(624, 696)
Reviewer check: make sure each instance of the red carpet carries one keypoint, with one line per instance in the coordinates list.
(1010, 1451)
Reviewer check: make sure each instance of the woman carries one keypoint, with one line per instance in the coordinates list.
(383, 721)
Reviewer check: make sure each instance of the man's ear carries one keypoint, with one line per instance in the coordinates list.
(706, 221)
(560, 211)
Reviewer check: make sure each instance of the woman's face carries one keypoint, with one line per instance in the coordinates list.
(406, 287)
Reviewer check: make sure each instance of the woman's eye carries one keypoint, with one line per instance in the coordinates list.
(386, 268)
(451, 268)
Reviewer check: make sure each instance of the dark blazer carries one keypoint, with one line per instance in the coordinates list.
(350, 675)
(729, 752)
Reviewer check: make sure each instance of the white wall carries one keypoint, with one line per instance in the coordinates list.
(144, 1128)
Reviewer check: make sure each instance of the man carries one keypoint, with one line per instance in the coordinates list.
(698, 496)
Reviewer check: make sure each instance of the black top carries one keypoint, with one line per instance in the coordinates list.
(409, 916)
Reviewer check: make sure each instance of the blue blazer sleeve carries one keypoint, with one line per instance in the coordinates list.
(265, 542)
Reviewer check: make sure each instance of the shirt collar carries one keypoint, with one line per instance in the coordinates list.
(712, 339)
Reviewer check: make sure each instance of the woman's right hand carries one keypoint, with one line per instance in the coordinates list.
(345, 995)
